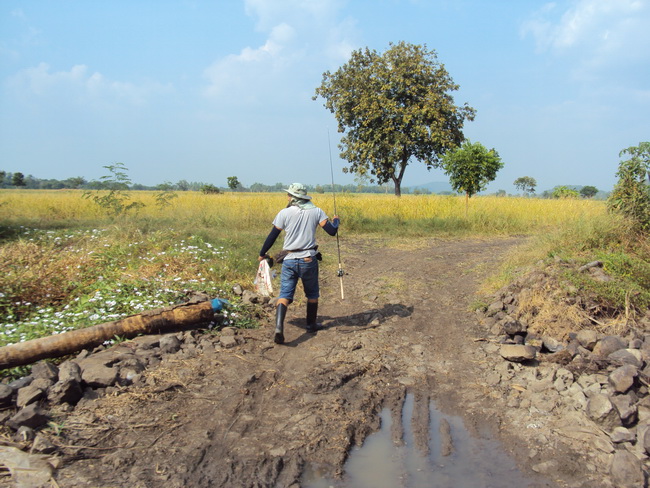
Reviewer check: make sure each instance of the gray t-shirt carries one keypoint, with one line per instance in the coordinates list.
(300, 229)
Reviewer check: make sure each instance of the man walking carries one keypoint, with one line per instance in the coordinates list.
(299, 220)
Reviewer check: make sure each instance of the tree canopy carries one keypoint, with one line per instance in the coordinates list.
(526, 184)
(471, 167)
(394, 108)
(588, 191)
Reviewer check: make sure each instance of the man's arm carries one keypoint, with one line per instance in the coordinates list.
(331, 227)
(270, 240)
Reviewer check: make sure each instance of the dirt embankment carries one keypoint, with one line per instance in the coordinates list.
(256, 414)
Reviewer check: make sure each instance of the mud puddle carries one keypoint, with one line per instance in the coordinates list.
(449, 457)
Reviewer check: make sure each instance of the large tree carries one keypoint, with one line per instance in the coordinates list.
(392, 109)
(471, 167)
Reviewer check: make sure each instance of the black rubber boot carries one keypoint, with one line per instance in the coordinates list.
(312, 315)
(280, 313)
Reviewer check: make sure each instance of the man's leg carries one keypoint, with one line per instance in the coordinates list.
(312, 291)
(288, 282)
(280, 314)
(312, 314)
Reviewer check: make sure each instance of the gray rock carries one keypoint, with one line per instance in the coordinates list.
(28, 395)
(169, 344)
(625, 408)
(6, 395)
(512, 326)
(608, 345)
(250, 297)
(622, 434)
(635, 343)
(21, 382)
(30, 416)
(24, 434)
(622, 378)
(42, 445)
(601, 410)
(42, 383)
(643, 409)
(66, 391)
(494, 308)
(587, 338)
(146, 342)
(69, 370)
(592, 264)
(228, 341)
(540, 385)
(43, 369)
(575, 398)
(97, 375)
(646, 441)
(563, 379)
(626, 356)
(626, 470)
(237, 289)
(517, 352)
(551, 344)
(546, 467)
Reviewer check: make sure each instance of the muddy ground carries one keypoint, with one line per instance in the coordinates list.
(257, 414)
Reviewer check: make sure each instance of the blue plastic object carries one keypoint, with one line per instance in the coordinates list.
(219, 304)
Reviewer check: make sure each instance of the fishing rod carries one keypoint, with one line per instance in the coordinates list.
(338, 244)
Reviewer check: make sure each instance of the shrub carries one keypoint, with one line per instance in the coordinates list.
(631, 195)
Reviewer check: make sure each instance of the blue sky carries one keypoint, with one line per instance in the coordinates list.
(202, 90)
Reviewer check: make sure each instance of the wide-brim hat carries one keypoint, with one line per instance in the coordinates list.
(298, 190)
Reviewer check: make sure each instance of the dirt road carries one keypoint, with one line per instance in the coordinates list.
(258, 414)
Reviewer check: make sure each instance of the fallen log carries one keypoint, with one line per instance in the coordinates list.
(154, 321)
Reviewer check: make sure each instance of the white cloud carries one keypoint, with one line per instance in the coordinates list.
(301, 36)
(79, 85)
(584, 22)
(598, 37)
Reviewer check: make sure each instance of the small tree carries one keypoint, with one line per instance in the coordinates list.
(564, 192)
(471, 168)
(233, 183)
(209, 189)
(588, 191)
(526, 184)
(113, 194)
(165, 194)
(631, 195)
(18, 179)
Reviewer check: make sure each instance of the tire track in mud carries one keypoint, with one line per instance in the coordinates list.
(259, 414)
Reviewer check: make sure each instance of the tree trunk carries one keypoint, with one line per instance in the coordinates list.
(59, 345)
(398, 179)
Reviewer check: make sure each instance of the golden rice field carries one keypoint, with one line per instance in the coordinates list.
(363, 213)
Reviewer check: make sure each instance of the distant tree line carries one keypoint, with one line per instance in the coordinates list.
(526, 184)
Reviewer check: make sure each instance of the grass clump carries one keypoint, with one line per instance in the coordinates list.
(560, 289)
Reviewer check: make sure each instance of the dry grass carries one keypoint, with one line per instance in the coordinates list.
(411, 214)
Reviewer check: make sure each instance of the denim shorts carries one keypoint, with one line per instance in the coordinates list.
(295, 269)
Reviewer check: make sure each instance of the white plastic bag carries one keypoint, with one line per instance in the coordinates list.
(263, 284)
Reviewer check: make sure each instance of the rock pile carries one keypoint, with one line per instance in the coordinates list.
(50, 391)
(589, 386)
